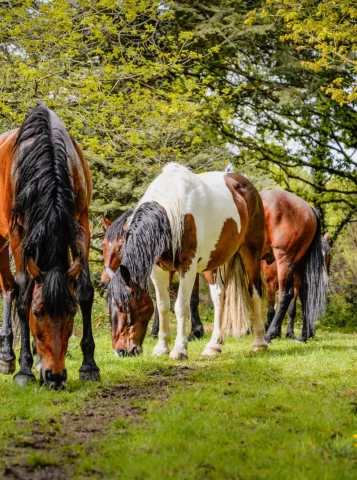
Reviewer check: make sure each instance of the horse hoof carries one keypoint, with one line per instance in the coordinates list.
(196, 335)
(7, 367)
(302, 340)
(290, 336)
(211, 352)
(23, 379)
(174, 355)
(256, 348)
(161, 352)
(89, 374)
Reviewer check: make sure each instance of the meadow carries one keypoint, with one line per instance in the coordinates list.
(289, 412)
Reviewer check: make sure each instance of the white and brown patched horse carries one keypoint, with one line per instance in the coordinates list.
(190, 223)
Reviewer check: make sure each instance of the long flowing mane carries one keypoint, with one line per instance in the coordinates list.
(168, 191)
(147, 238)
(44, 205)
(116, 229)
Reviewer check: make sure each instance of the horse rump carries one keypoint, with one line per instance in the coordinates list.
(236, 303)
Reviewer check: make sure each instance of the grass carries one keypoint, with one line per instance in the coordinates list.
(289, 412)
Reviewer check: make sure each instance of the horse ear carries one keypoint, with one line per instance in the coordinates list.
(107, 222)
(327, 236)
(75, 269)
(125, 274)
(34, 271)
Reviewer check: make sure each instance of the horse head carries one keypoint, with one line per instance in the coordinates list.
(53, 306)
(130, 308)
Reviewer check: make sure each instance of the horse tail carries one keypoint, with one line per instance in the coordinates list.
(235, 314)
(315, 280)
(44, 203)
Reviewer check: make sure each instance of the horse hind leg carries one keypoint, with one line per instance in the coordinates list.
(286, 294)
(213, 347)
(251, 258)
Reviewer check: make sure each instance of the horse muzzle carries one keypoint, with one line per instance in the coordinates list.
(132, 352)
(57, 381)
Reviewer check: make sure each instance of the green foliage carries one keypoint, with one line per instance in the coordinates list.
(327, 32)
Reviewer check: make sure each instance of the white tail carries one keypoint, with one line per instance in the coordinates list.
(236, 308)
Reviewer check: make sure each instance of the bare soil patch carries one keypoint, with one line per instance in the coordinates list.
(52, 450)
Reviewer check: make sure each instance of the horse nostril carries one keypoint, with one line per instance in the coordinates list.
(135, 351)
(121, 352)
(57, 381)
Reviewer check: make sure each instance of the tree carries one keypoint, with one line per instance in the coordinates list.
(327, 33)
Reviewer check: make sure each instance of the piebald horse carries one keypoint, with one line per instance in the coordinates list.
(45, 194)
(293, 237)
(189, 223)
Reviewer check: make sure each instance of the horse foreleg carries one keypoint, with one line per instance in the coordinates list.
(85, 294)
(7, 285)
(161, 281)
(215, 286)
(25, 374)
(197, 330)
(182, 312)
(156, 324)
(271, 307)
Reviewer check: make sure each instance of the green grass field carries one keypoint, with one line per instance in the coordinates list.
(289, 412)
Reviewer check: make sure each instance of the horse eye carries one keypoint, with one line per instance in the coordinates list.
(37, 315)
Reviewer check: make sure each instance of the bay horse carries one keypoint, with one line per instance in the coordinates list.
(112, 242)
(189, 223)
(270, 273)
(293, 237)
(44, 205)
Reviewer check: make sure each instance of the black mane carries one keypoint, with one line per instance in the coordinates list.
(115, 231)
(44, 205)
(147, 238)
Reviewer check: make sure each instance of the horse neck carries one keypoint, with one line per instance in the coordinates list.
(147, 238)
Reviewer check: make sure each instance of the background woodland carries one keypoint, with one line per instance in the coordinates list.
(266, 86)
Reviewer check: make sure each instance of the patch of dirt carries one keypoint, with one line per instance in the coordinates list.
(52, 449)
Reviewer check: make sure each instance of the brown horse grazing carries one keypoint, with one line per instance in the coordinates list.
(45, 194)
(189, 223)
(112, 242)
(293, 239)
(270, 273)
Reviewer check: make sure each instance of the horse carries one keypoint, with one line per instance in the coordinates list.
(189, 223)
(46, 190)
(270, 274)
(293, 240)
(287, 214)
(112, 242)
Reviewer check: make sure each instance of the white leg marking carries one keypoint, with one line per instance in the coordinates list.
(213, 348)
(161, 281)
(258, 327)
(182, 311)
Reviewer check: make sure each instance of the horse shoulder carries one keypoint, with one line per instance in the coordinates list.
(7, 140)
